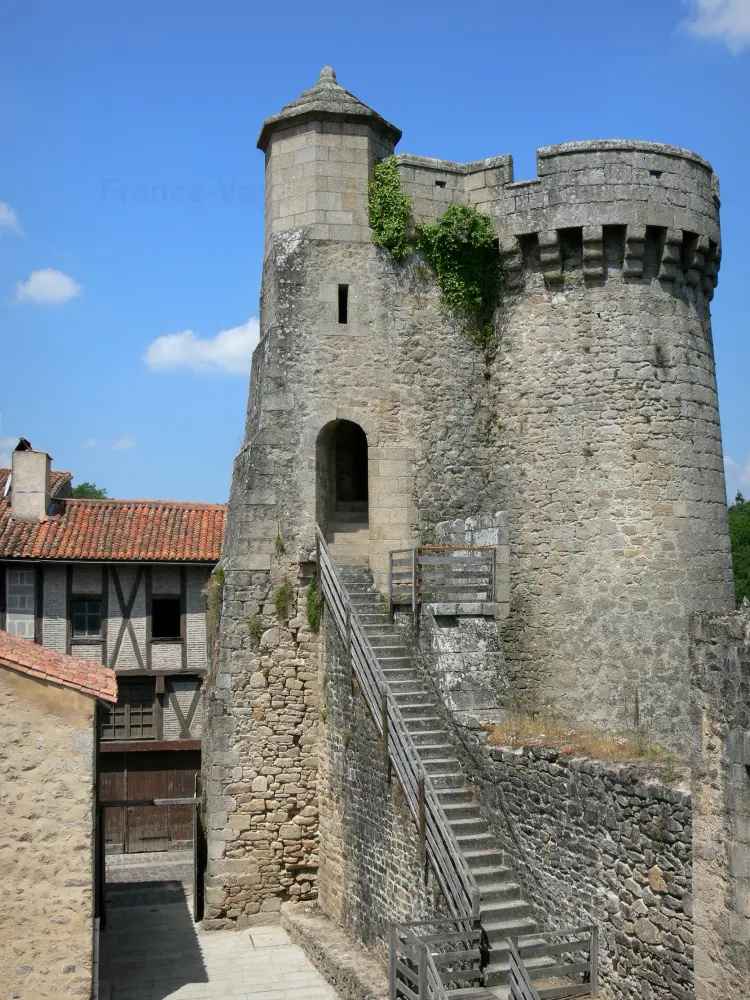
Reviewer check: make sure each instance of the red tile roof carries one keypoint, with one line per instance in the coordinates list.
(117, 531)
(26, 657)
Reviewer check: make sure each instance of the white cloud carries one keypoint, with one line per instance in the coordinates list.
(8, 220)
(90, 443)
(737, 476)
(228, 352)
(124, 443)
(47, 287)
(727, 20)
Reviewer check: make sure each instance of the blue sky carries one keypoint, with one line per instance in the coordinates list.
(131, 188)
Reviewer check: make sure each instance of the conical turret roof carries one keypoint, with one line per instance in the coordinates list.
(330, 102)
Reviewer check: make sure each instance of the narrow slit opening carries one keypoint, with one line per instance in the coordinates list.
(343, 303)
(529, 243)
(656, 237)
(613, 238)
(571, 248)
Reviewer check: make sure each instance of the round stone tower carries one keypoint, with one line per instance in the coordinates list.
(593, 424)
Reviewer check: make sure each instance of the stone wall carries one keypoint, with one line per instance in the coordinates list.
(604, 843)
(260, 753)
(721, 771)
(370, 872)
(46, 839)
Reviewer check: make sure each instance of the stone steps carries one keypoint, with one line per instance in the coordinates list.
(503, 911)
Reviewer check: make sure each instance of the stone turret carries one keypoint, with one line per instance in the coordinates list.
(319, 152)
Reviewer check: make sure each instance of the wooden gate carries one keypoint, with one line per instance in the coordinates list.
(198, 838)
(147, 775)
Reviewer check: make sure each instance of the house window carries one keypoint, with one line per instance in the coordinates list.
(165, 618)
(343, 303)
(87, 617)
(133, 717)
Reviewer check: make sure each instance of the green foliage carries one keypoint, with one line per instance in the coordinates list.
(282, 598)
(255, 627)
(390, 210)
(313, 604)
(280, 547)
(324, 713)
(462, 249)
(89, 491)
(739, 533)
(214, 593)
(347, 737)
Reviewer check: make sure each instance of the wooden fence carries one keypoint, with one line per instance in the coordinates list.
(441, 574)
(574, 955)
(426, 958)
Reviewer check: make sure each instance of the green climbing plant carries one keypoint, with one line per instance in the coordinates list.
(283, 597)
(313, 604)
(214, 593)
(462, 249)
(390, 210)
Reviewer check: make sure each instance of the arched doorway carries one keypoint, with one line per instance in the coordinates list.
(341, 475)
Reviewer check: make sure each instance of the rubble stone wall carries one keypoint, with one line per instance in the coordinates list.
(370, 871)
(47, 839)
(605, 843)
(260, 754)
(721, 773)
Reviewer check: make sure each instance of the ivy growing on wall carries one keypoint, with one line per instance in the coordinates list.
(214, 593)
(390, 210)
(461, 248)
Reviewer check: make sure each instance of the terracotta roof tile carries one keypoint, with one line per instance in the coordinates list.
(117, 531)
(93, 679)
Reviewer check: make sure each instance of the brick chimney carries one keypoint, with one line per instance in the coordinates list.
(30, 485)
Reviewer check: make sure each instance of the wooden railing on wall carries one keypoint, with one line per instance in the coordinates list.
(441, 574)
(572, 972)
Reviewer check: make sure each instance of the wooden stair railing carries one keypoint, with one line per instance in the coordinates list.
(574, 955)
(439, 846)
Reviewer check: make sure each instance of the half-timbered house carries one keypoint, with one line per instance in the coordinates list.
(120, 582)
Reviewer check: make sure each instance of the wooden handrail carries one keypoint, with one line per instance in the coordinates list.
(559, 944)
(465, 573)
(440, 844)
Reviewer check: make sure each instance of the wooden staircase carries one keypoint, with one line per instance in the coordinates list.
(503, 911)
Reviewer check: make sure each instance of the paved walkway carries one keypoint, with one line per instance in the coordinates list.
(152, 950)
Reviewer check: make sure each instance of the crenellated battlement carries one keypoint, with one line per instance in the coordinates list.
(660, 202)
(637, 252)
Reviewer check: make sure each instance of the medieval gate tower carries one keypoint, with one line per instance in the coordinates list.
(594, 427)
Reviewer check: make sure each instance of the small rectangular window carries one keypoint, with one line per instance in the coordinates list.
(343, 303)
(165, 618)
(439, 184)
(87, 617)
(133, 717)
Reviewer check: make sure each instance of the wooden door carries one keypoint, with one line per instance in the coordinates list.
(148, 826)
(113, 787)
(148, 774)
(181, 783)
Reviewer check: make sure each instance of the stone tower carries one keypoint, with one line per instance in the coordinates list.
(594, 426)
